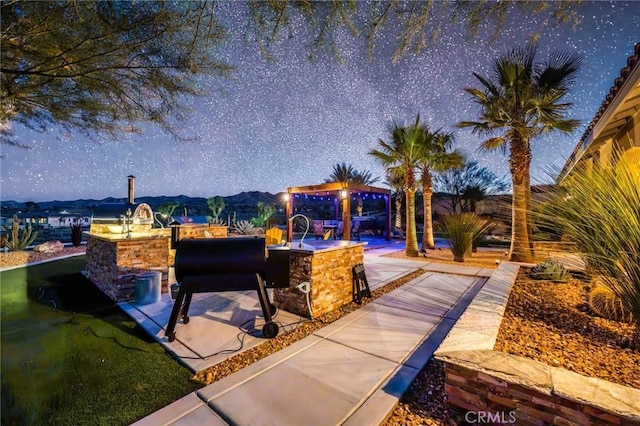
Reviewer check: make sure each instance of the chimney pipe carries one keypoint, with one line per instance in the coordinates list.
(130, 197)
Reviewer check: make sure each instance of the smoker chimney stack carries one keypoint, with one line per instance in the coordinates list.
(130, 197)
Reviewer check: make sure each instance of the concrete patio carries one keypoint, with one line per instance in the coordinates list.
(352, 371)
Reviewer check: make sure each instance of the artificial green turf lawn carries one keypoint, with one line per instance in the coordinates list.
(84, 362)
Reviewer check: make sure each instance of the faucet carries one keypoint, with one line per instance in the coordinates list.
(305, 231)
(155, 218)
(128, 223)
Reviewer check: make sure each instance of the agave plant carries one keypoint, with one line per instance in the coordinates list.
(600, 213)
(550, 270)
(19, 240)
(243, 227)
(462, 230)
(216, 221)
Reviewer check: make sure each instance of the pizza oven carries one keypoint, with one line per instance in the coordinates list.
(122, 218)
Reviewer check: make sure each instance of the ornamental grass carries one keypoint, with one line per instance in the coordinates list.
(462, 230)
(598, 209)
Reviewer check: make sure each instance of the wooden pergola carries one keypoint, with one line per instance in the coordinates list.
(342, 193)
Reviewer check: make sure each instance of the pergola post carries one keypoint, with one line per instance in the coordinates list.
(346, 217)
(387, 206)
(288, 211)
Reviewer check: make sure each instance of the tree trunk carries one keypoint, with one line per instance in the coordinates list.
(427, 236)
(398, 210)
(411, 238)
(410, 191)
(519, 161)
(427, 193)
(527, 179)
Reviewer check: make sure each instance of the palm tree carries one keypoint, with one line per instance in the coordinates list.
(403, 152)
(364, 177)
(395, 180)
(522, 99)
(343, 172)
(434, 157)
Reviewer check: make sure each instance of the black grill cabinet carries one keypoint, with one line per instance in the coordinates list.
(228, 264)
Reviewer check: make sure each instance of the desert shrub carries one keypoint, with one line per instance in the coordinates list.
(462, 230)
(605, 303)
(599, 211)
(550, 270)
(18, 239)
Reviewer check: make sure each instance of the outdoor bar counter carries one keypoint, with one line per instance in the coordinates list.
(327, 266)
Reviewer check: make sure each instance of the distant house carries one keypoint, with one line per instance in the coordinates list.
(46, 219)
(35, 219)
(615, 127)
(69, 217)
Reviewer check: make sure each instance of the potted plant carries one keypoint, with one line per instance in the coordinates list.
(76, 235)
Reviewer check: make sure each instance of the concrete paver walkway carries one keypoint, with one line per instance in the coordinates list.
(351, 372)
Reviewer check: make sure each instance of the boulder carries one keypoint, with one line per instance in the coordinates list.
(49, 247)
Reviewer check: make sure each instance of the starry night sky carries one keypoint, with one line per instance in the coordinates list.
(287, 122)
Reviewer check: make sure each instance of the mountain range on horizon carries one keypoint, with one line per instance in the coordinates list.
(242, 198)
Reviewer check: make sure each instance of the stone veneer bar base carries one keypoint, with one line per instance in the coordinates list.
(113, 262)
(514, 390)
(113, 265)
(329, 273)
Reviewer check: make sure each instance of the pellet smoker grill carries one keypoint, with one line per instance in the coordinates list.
(228, 264)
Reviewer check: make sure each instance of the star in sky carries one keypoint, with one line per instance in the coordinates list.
(284, 123)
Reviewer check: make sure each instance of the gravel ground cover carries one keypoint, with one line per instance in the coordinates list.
(552, 323)
(486, 258)
(16, 258)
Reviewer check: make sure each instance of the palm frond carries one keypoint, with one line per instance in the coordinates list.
(383, 157)
(560, 70)
(492, 144)
(491, 88)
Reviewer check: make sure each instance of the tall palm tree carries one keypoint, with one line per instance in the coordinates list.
(395, 180)
(520, 100)
(434, 156)
(364, 177)
(403, 152)
(343, 172)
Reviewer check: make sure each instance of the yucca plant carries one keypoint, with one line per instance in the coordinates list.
(19, 240)
(599, 211)
(462, 230)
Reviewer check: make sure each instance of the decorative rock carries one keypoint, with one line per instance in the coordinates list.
(49, 247)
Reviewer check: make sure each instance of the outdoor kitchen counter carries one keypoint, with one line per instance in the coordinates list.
(114, 261)
(135, 236)
(327, 266)
(323, 246)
